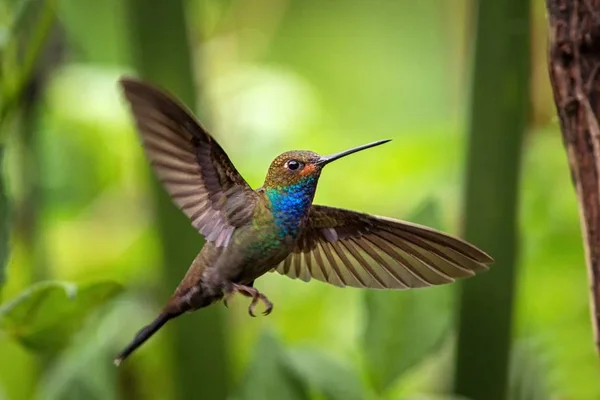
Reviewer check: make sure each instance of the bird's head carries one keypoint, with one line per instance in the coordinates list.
(298, 166)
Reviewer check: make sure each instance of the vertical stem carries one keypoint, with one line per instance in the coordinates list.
(29, 210)
(40, 46)
(162, 56)
(499, 111)
(4, 215)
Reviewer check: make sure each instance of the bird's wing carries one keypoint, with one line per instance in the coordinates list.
(189, 162)
(346, 248)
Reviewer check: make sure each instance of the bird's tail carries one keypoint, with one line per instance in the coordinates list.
(144, 335)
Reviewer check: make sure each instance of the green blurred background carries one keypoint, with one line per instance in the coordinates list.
(96, 247)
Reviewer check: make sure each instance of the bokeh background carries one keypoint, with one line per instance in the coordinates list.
(96, 247)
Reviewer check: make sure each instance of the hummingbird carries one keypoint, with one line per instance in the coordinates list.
(276, 227)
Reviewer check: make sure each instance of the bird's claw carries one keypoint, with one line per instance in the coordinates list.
(254, 294)
(226, 299)
(268, 305)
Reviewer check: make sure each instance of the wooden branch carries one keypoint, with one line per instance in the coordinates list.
(574, 38)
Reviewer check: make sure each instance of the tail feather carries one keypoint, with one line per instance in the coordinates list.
(144, 335)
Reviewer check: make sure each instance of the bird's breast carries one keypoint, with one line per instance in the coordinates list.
(254, 252)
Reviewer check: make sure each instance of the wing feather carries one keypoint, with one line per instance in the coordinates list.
(190, 164)
(346, 248)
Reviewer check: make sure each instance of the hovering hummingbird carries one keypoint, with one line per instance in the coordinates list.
(276, 227)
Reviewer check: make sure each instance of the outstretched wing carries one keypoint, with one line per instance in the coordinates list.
(191, 165)
(346, 248)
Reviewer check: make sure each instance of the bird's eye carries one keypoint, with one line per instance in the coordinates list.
(293, 165)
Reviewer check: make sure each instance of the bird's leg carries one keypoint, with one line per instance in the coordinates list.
(230, 291)
(249, 291)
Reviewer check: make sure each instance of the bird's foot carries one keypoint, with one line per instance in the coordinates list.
(265, 300)
(249, 291)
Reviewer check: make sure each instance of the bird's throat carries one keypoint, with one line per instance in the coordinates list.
(290, 205)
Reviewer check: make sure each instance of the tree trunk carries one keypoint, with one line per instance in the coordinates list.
(162, 56)
(574, 63)
(499, 111)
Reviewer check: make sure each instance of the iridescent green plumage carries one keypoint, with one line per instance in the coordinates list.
(276, 227)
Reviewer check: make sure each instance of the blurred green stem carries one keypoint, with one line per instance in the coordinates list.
(29, 210)
(162, 56)
(35, 47)
(499, 111)
(3, 221)
(10, 92)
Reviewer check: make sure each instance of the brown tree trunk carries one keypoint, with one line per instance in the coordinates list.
(574, 39)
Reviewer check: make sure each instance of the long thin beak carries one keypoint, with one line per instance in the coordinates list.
(324, 160)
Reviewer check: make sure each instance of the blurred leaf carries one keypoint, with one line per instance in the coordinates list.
(334, 380)
(528, 373)
(269, 375)
(46, 315)
(3, 221)
(84, 369)
(402, 327)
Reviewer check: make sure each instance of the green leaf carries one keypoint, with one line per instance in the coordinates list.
(84, 369)
(46, 315)
(402, 327)
(269, 376)
(328, 377)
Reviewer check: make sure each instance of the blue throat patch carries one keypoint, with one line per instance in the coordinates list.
(289, 204)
